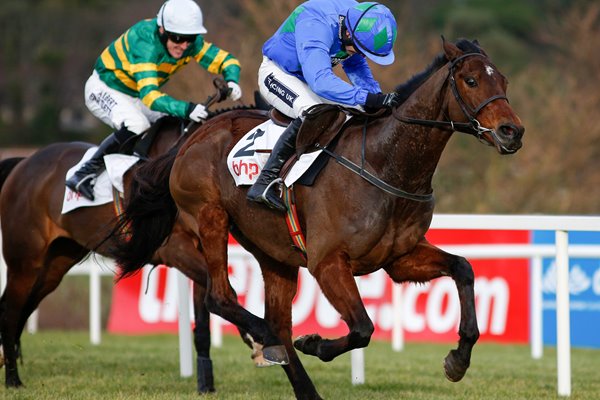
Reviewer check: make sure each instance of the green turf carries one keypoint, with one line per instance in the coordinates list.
(63, 365)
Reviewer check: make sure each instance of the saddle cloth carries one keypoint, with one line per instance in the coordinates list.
(247, 158)
(116, 166)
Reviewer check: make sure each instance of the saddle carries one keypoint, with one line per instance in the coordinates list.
(139, 145)
(279, 118)
(321, 123)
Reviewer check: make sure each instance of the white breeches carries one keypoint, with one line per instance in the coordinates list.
(117, 109)
(285, 92)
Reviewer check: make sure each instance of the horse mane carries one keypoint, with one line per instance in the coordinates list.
(6, 166)
(219, 111)
(404, 90)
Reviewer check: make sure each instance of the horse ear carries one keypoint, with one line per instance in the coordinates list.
(476, 43)
(451, 50)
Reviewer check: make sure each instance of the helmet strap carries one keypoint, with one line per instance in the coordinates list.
(163, 36)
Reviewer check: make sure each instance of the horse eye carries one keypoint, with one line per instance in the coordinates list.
(471, 82)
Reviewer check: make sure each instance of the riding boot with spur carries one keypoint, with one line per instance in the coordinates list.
(84, 178)
(264, 189)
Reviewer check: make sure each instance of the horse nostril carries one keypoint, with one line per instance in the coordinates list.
(511, 131)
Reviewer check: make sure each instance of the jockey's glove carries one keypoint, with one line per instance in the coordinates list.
(375, 101)
(197, 112)
(236, 91)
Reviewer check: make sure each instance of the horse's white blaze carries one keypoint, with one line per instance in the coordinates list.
(489, 70)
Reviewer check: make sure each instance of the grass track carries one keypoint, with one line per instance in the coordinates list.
(63, 365)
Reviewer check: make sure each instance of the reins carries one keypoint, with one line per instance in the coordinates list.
(473, 127)
(366, 175)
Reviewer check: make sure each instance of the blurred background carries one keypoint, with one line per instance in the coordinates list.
(547, 49)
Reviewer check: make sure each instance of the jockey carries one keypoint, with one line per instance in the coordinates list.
(297, 71)
(124, 89)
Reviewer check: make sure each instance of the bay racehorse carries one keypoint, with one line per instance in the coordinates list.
(40, 245)
(352, 226)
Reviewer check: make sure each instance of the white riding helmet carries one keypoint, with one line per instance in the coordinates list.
(183, 17)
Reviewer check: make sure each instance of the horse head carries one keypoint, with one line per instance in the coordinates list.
(479, 97)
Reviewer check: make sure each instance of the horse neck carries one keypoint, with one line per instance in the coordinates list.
(413, 151)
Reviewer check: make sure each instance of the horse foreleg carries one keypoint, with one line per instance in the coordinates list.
(213, 228)
(280, 288)
(427, 262)
(335, 278)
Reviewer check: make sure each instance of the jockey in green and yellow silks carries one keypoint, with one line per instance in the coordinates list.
(124, 88)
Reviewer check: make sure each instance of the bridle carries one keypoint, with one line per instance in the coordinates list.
(473, 127)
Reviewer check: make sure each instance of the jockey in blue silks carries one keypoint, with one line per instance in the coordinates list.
(297, 71)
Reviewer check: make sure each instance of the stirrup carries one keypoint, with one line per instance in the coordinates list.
(85, 186)
(89, 179)
(263, 196)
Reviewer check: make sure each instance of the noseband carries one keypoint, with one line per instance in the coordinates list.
(473, 127)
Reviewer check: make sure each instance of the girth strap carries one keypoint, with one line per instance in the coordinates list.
(291, 218)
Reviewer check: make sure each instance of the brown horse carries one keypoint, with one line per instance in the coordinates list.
(352, 226)
(40, 244)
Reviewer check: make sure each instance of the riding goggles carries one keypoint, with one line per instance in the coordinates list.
(178, 39)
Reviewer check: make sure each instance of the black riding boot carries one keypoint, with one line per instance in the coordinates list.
(84, 178)
(264, 189)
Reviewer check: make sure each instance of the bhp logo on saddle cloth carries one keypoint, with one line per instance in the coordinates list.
(249, 155)
(429, 312)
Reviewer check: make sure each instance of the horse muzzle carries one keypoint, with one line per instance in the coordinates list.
(507, 138)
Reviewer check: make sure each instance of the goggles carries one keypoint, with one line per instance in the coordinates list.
(178, 39)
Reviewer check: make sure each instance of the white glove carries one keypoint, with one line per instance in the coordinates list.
(236, 91)
(198, 113)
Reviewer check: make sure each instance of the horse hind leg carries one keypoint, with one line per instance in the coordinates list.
(26, 287)
(14, 304)
(427, 262)
(205, 377)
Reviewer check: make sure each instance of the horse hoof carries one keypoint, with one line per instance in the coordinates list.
(206, 390)
(454, 368)
(258, 359)
(276, 355)
(308, 344)
(13, 383)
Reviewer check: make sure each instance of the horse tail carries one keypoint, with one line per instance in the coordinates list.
(149, 215)
(6, 166)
